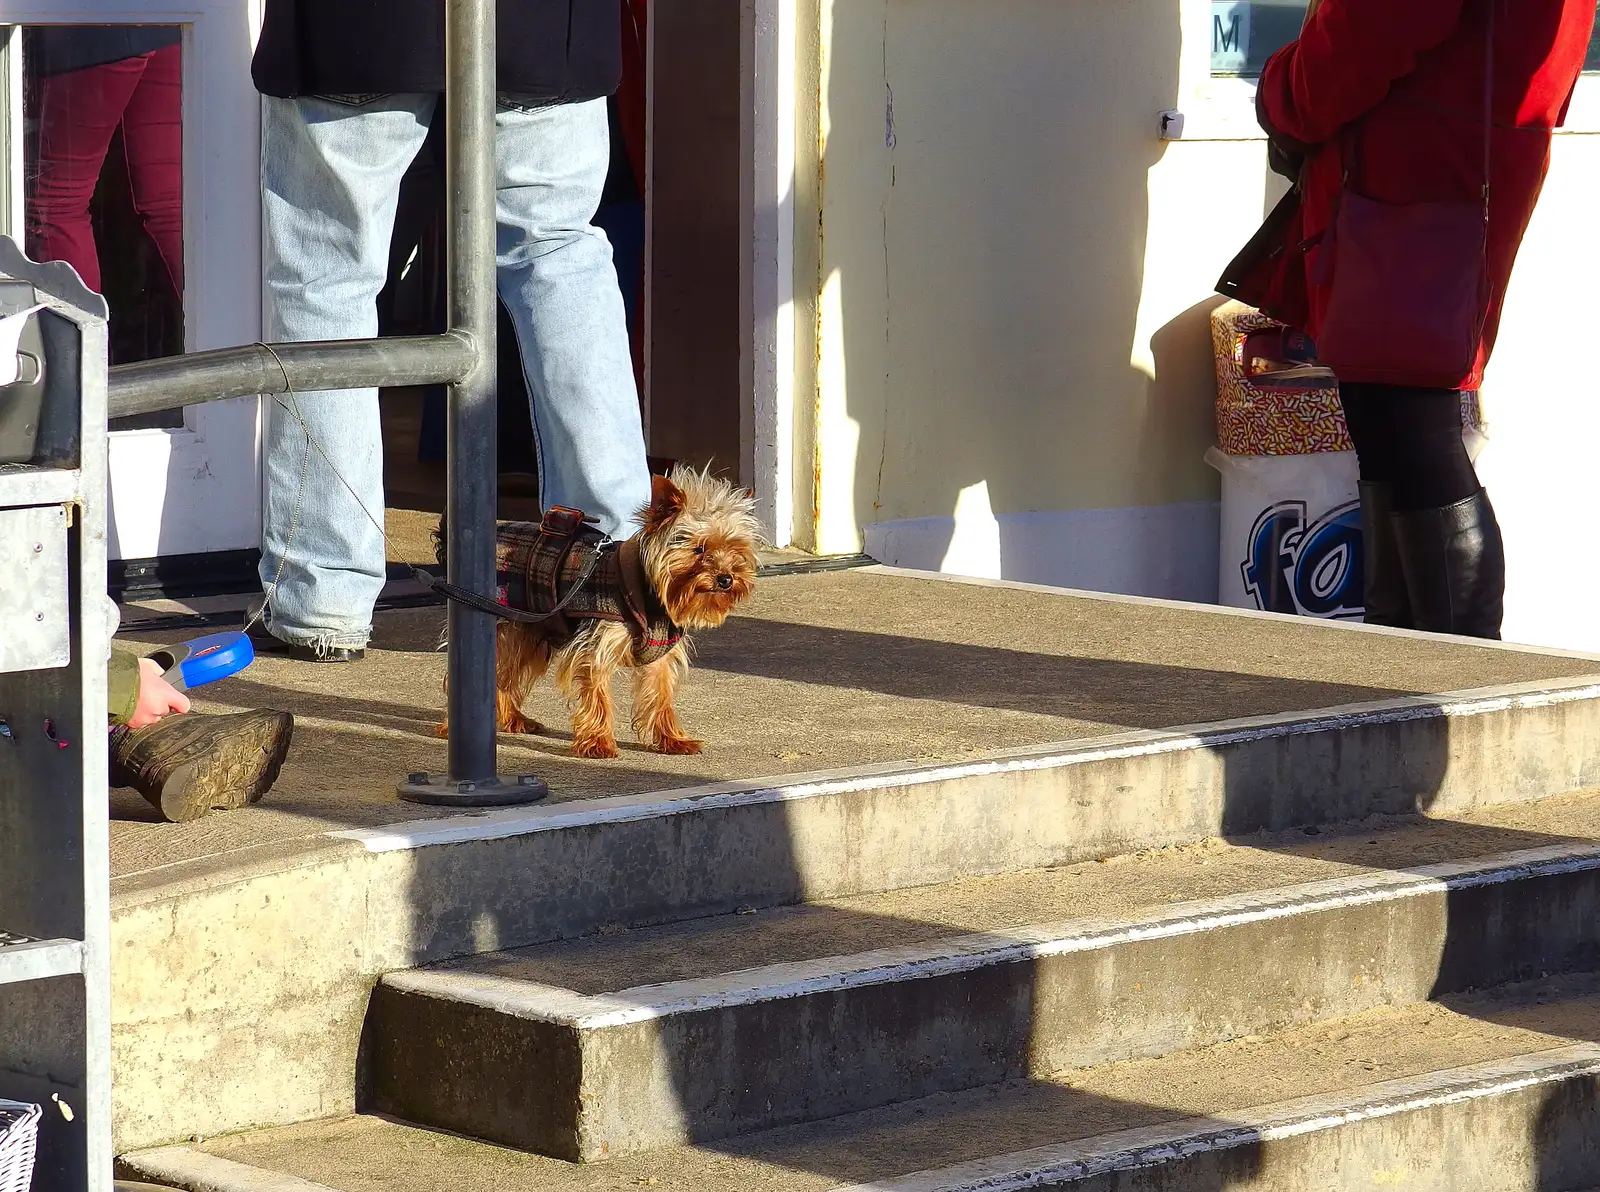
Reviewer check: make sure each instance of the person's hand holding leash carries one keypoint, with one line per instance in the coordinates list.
(157, 697)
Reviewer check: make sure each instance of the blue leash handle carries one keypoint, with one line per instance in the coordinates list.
(205, 660)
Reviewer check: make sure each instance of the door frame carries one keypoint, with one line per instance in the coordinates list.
(11, 179)
(742, 125)
(770, 128)
(195, 489)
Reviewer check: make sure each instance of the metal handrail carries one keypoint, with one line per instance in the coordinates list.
(308, 367)
(463, 358)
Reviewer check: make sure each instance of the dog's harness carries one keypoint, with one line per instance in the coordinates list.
(564, 572)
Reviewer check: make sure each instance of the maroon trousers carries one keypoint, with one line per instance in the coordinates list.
(78, 113)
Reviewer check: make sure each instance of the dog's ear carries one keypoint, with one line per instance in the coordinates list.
(666, 502)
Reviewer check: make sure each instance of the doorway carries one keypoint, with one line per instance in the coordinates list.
(186, 485)
(671, 212)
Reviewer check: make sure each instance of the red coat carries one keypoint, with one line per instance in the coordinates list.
(1414, 70)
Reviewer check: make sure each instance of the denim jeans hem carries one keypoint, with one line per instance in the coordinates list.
(322, 641)
(319, 640)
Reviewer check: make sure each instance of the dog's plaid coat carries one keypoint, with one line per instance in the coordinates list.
(539, 566)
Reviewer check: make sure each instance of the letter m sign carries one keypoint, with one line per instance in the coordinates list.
(1230, 37)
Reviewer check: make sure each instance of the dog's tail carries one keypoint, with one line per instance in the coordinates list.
(441, 536)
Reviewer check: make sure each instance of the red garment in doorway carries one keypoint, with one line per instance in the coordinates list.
(631, 102)
(78, 114)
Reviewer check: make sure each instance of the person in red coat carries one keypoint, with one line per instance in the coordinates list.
(1396, 91)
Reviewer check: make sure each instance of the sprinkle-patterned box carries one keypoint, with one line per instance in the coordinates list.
(1256, 416)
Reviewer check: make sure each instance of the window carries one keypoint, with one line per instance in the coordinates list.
(102, 174)
(103, 171)
(1245, 33)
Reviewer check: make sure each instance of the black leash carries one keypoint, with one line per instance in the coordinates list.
(493, 607)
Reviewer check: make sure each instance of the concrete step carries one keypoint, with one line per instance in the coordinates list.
(625, 1042)
(948, 730)
(1493, 1092)
(275, 951)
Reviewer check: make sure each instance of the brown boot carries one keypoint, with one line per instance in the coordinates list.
(191, 764)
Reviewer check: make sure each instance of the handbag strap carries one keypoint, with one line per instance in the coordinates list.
(1488, 109)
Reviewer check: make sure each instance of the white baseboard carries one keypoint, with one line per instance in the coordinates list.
(1163, 551)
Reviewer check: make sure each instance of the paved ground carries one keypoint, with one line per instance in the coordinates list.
(826, 670)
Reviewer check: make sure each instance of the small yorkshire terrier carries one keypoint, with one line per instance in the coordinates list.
(627, 605)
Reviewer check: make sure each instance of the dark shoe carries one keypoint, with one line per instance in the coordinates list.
(1455, 566)
(1383, 580)
(262, 640)
(191, 764)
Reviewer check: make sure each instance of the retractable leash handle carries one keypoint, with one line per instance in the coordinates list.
(204, 660)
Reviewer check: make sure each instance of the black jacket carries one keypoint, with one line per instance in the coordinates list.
(60, 49)
(555, 49)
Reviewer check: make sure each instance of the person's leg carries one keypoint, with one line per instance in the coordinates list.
(559, 284)
(1450, 542)
(331, 181)
(1383, 580)
(78, 114)
(1426, 457)
(152, 137)
(1444, 529)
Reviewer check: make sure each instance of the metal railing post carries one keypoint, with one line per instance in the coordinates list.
(469, 42)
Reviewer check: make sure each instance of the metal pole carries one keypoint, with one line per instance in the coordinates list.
(469, 42)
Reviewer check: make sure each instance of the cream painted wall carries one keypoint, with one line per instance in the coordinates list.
(1015, 271)
(1542, 397)
(1014, 278)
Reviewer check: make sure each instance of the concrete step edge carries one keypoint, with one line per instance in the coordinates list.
(1094, 1161)
(585, 813)
(957, 954)
(195, 1171)
(1086, 1159)
(651, 1067)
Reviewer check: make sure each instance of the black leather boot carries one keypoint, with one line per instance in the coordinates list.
(1455, 567)
(1383, 581)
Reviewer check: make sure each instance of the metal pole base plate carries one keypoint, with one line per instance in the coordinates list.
(440, 790)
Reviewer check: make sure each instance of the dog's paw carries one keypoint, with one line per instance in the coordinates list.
(685, 746)
(519, 724)
(442, 730)
(599, 747)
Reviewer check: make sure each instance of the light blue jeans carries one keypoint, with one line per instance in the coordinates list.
(331, 180)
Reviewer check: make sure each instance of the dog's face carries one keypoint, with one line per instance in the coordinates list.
(699, 547)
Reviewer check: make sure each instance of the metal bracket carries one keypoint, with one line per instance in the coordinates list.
(440, 790)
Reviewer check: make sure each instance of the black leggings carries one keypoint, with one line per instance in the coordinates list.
(1410, 439)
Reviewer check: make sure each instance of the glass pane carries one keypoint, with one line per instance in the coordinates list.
(1245, 33)
(103, 174)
